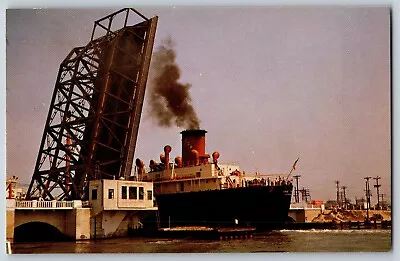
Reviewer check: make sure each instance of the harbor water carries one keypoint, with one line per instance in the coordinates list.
(275, 241)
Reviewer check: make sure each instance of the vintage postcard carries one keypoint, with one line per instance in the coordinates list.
(198, 130)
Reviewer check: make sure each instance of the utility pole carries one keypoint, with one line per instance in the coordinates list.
(377, 185)
(382, 201)
(305, 194)
(367, 194)
(296, 192)
(337, 192)
(356, 202)
(344, 197)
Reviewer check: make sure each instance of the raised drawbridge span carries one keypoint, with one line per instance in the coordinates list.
(93, 120)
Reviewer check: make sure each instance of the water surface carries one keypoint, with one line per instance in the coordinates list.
(275, 241)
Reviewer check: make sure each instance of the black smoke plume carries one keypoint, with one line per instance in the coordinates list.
(169, 100)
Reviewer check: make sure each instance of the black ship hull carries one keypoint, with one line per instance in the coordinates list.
(263, 207)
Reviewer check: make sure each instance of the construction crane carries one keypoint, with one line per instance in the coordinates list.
(94, 115)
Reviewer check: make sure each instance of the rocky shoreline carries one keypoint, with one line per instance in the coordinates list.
(340, 215)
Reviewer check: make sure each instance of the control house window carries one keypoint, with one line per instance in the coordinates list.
(149, 195)
(94, 194)
(110, 193)
(132, 192)
(141, 193)
(123, 194)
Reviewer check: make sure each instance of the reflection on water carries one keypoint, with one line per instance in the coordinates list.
(276, 241)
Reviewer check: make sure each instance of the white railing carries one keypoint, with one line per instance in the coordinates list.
(33, 204)
(64, 204)
(24, 204)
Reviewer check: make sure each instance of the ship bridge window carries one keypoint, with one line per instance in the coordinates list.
(110, 193)
(141, 193)
(94, 194)
(149, 195)
(132, 192)
(123, 192)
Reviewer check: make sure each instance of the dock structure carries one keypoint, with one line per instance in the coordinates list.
(203, 232)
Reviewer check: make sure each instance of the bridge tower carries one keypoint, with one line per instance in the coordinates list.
(93, 120)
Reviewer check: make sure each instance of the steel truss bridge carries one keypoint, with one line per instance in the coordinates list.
(93, 120)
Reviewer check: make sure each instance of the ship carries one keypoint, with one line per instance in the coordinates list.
(196, 190)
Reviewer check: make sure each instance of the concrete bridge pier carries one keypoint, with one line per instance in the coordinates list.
(78, 227)
(10, 219)
(68, 218)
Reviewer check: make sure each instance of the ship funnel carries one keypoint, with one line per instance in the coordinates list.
(167, 150)
(193, 140)
(215, 157)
